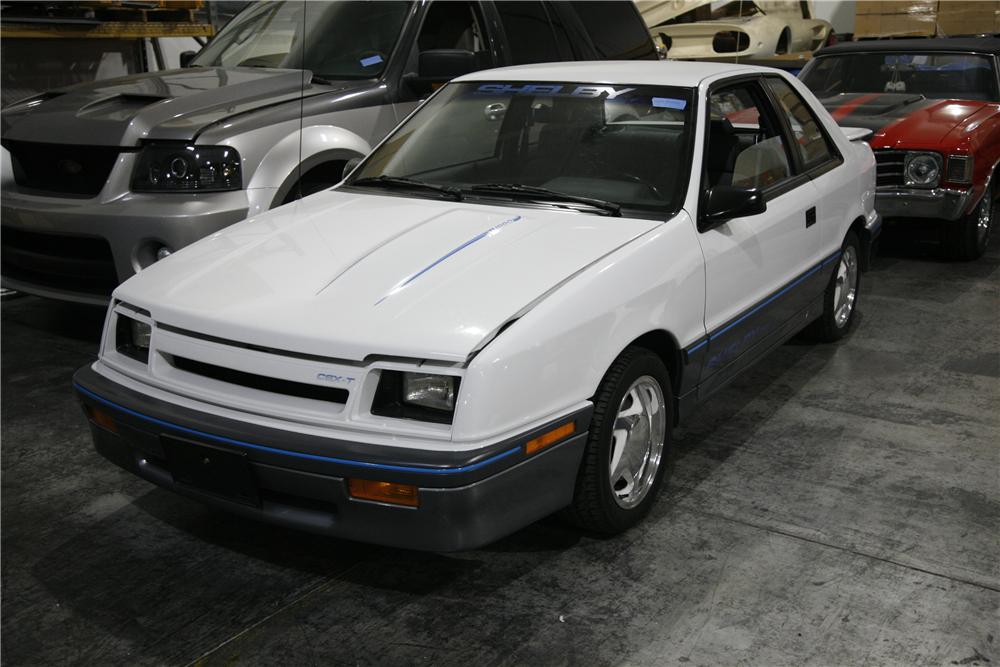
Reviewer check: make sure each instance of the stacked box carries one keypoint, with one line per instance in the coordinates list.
(925, 18)
(956, 17)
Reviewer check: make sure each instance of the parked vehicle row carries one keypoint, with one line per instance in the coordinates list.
(502, 309)
(502, 312)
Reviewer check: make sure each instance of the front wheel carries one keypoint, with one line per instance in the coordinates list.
(625, 457)
(840, 300)
(968, 237)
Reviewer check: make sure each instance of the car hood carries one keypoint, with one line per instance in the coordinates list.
(169, 105)
(349, 275)
(900, 117)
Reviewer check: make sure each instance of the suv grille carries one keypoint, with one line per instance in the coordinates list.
(889, 168)
(74, 263)
(79, 171)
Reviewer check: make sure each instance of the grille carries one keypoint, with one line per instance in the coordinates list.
(889, 168)
(79, 171)
(259, 382)
(73, 263)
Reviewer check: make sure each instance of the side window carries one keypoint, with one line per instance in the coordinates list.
(744, 148)
(616, 29)
(531, 37)
(810, 142)
(454, 25)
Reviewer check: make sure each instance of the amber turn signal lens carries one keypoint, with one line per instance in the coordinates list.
(546, 439)
(384, 492)
(102, 419)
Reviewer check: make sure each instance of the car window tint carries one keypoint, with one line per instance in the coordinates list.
(810, 142)
(743, 149)
(934, 75)
(616, 29)
(452, 25)
(530, 35)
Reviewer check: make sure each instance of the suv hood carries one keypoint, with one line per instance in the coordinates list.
(353, 275)
(169, 105)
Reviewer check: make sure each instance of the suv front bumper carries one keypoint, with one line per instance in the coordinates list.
(466, 499)
(936, 203)
(55, 247)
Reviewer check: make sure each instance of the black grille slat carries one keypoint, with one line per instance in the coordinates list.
(889, 168)
(74, 263)
(259, 382)
(66, 169)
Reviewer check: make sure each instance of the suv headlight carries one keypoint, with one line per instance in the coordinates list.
(922, 170)
(178, 168)
(422, 396)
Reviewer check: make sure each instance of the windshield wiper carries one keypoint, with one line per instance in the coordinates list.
(534, 192)
(403, 182)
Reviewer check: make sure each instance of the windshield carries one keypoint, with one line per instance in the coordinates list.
(933, 75)
(343, 40)
(622, 144)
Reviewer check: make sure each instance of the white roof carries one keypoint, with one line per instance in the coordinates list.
(643, 72)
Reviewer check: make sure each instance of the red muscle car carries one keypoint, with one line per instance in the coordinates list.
(933, 106)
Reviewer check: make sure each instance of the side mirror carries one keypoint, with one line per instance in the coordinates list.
(186, 57)
(349, 166)
(724, 202)
(439, 66)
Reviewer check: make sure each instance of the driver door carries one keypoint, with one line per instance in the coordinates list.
(757, 267)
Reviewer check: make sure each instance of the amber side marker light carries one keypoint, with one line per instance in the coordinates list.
(546, 439)
(102, 419)
(384, 492)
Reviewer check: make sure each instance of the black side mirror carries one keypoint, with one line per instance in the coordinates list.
(724, 202)
(438, 66)
(349, 166)
(186, 57)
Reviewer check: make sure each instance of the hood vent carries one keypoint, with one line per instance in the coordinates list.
(119, 107)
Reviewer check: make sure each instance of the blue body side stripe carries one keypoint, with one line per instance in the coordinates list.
(301, 455)
(766, 302)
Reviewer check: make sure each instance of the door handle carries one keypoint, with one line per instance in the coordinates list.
(811, 217)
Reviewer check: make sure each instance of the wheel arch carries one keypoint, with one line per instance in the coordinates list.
(663, 344)
(867, 240)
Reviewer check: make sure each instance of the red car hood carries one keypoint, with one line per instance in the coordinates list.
(900, 119)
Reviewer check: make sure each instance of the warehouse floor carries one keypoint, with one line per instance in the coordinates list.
(839, 505)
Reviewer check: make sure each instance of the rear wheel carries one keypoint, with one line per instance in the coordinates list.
(625, 457)
(840, 300)
(967, 238)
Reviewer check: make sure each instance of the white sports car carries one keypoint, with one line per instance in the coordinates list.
(691, 30)
(500, 313)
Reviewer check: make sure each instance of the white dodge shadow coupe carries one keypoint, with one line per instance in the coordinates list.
(500, 313)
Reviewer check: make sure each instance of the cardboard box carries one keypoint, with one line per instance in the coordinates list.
(867, 7)
(966, 18)
(895, 25)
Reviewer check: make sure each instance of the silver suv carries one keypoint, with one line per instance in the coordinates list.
(102, 179)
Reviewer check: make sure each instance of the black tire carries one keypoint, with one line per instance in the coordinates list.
(595, 507)
(829, 327)
(966, 239)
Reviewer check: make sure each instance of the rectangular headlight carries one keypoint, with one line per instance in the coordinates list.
(180, 168)
(959, 169)
(421, 396)
(132, 338)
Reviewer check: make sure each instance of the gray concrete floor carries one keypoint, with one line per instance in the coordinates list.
(839, 505)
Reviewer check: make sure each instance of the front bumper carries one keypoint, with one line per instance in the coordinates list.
(936, 203)
(79, 250)
(467, 499)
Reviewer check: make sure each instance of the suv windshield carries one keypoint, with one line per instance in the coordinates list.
(343, 40)
(624, 145)
(934, 75)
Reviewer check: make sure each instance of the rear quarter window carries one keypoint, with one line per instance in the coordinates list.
(616, 29)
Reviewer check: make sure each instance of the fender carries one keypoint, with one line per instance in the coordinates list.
(280, 168)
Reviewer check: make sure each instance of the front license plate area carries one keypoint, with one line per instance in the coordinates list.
(218, 470)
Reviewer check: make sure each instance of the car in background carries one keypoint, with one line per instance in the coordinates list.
(934, 108)
(692, 30)
(103, 179)
(500, 313)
